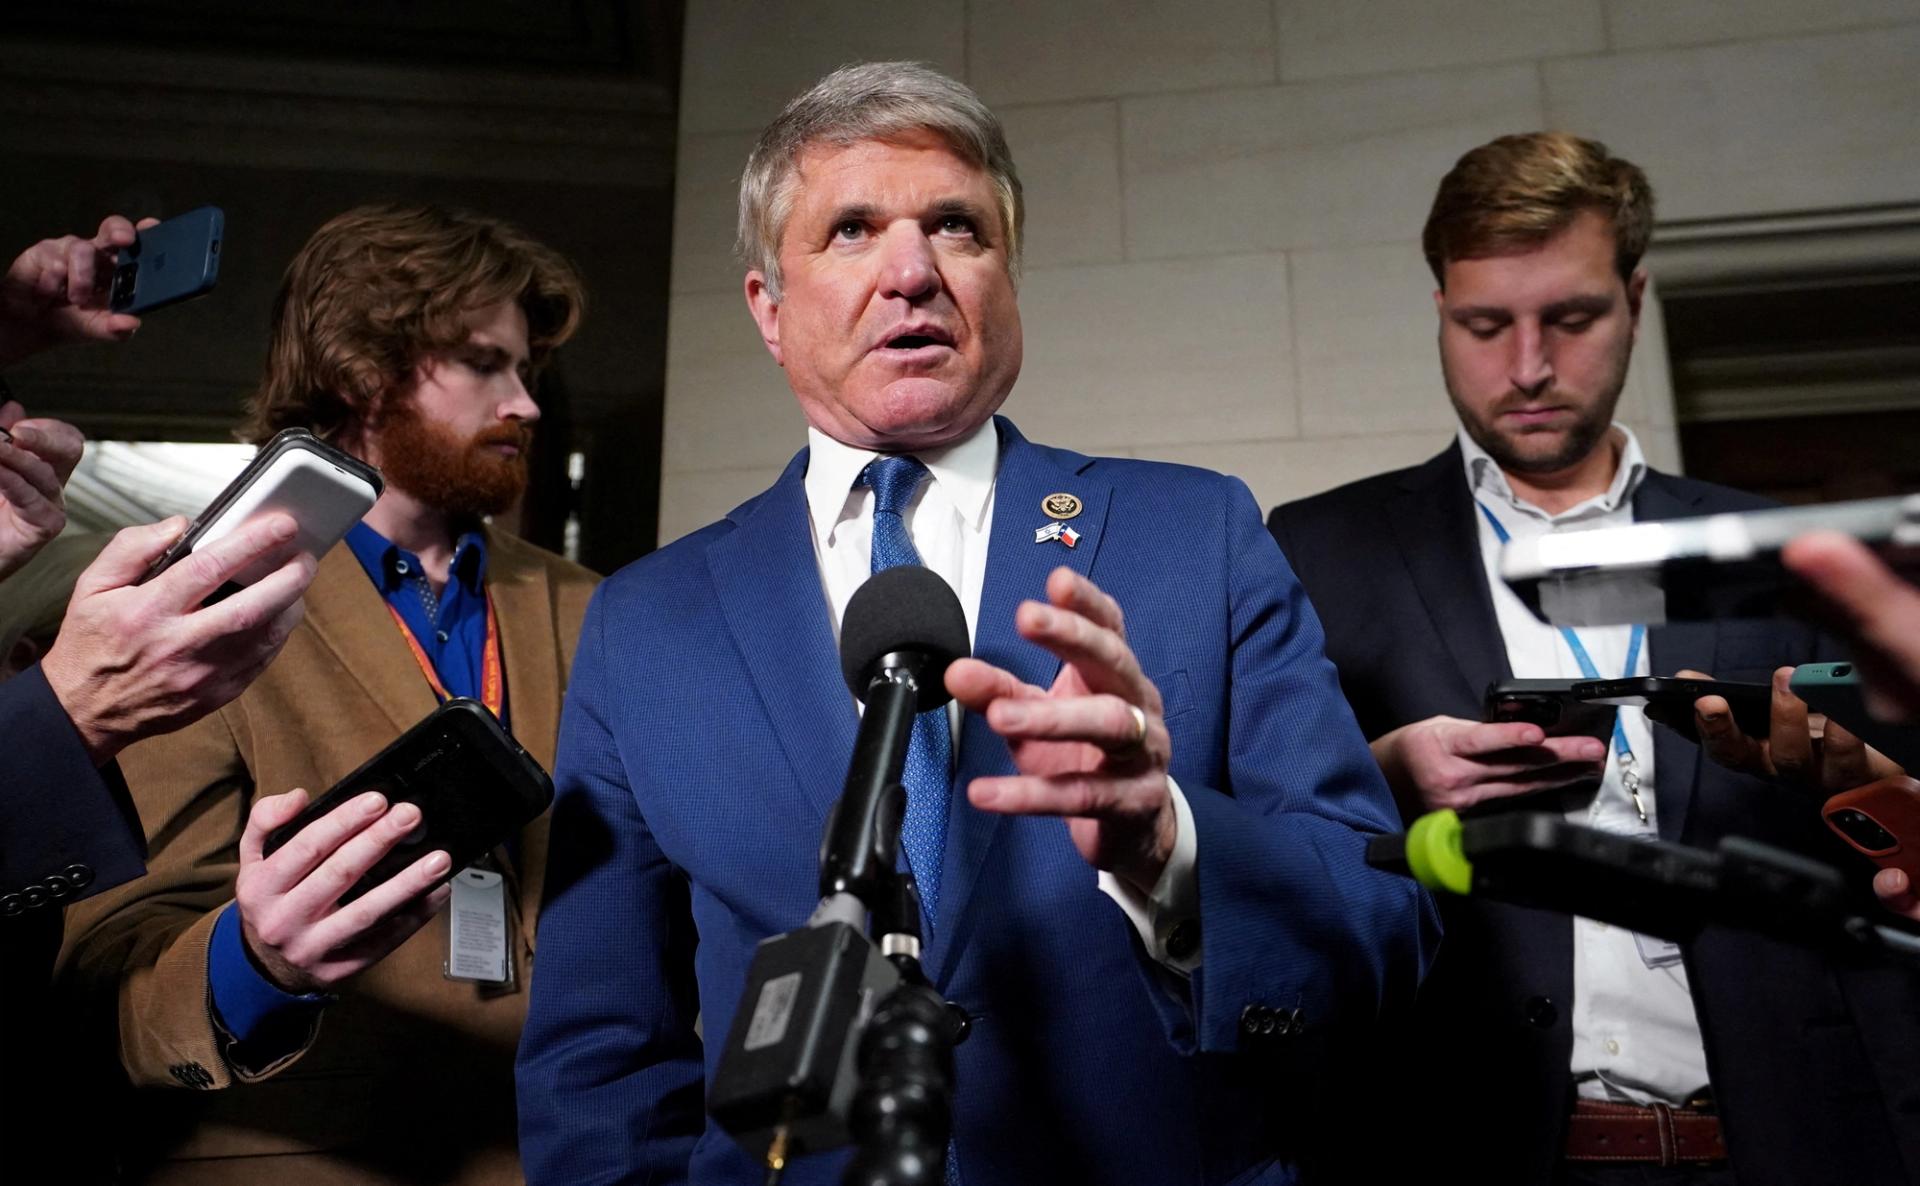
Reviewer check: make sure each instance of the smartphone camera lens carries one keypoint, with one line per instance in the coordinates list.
(122, 292)
(1861, 828)
(1842, 670)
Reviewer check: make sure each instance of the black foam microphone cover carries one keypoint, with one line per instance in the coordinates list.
(907, 610)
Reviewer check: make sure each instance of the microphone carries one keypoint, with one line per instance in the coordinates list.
(900, 632)
(804, 1035)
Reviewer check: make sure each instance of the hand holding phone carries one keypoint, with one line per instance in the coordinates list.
(1829, 760)
(168, 262)
(1448, 762)
(300, 929)
(58, 291)
(1671, 700)
(1881, 821)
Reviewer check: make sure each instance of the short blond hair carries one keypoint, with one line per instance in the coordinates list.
(1518, 191)
(869, 101)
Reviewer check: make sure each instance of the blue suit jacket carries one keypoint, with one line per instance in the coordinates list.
(707, 733)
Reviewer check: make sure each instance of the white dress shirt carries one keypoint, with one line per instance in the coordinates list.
(1635, 1036)
(950, 520)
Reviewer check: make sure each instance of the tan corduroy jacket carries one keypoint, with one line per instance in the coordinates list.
(408, 1077)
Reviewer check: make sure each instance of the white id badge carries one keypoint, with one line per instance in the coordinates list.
(1655, 952)
(477, 928)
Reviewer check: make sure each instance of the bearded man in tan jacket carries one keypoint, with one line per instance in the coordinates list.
(272, 1033)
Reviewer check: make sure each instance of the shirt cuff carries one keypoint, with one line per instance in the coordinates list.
(1168, 919)
(245, 1001)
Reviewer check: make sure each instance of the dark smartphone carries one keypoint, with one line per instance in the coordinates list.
(1834, 689)
(1882, 822)
(169, 262)
(326, 491)
(1669, 699)
(1550, 704)
(474, 785)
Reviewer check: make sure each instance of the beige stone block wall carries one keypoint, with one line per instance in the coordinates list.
(1225, 197)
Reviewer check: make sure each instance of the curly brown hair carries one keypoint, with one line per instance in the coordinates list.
(1519, 191)
(382, 286)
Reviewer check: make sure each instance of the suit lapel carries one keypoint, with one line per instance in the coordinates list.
(768, 584)
(523, 603)
(346, 614)
(1671, 647)
(1432, 519)
(1016, 571)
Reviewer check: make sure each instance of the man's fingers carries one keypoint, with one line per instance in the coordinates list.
(350, 861)
(1473, 738)
(377, 942)
(1076, 795)
(128, 555)
(56, 442)
(1789, 739)
(1068, 590)
(267, 814)
(351, 923)
(1100, 655)
(1106, 721)
(1723, 740)
(82, 273)
(33, 469)
(266, 602)
(189, 582)
(976, 684)
(1895, 890)
(316, 842)
(115, 231)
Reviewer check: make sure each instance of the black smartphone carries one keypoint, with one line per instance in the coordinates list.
(474, 785)
(169, 262)
(325, 490)
(1550, 704)
(1669, 699)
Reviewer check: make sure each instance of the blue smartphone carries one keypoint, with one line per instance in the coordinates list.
(169, 262)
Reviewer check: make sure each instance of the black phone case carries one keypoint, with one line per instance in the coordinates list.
(173, 261)
(1670, 700)
(474, 785)
(1550, 704)
(283, 442)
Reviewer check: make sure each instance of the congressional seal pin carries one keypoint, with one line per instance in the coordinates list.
(1060, 506)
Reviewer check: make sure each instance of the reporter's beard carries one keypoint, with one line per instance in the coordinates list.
(461, 477)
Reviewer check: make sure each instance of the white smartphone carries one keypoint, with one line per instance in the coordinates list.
(326, 491)
(1716, 566)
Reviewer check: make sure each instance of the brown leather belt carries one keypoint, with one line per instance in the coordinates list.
(1661, 1134)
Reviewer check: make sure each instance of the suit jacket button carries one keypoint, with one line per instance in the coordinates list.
(10, 905)
(1250, 1018)
(78, 876)
(1541, 1012)
(1184, 939)
(1296, 1020)
(58, 887)
(191, 1074)
(32, 896)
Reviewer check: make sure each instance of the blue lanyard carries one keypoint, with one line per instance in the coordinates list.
(1579, 648)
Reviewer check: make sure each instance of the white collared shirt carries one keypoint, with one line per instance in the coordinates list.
(950, 520)
(1635, 1035)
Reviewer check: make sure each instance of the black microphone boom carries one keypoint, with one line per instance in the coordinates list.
(900, 632)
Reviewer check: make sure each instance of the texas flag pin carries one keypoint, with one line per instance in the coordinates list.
(1057, 530)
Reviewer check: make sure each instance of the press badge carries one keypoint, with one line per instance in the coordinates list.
(477, 928)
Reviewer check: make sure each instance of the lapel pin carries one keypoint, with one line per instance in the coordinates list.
(1061, 506)
(1057, 530)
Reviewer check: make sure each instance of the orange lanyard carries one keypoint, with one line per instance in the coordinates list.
(493, 680)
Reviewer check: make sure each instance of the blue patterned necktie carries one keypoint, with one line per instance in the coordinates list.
(929, 772)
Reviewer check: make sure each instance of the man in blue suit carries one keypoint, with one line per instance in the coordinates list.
(1147, 1022)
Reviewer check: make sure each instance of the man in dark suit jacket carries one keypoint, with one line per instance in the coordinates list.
(1130, 1025)
(128, 663)
(1538, 1035)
